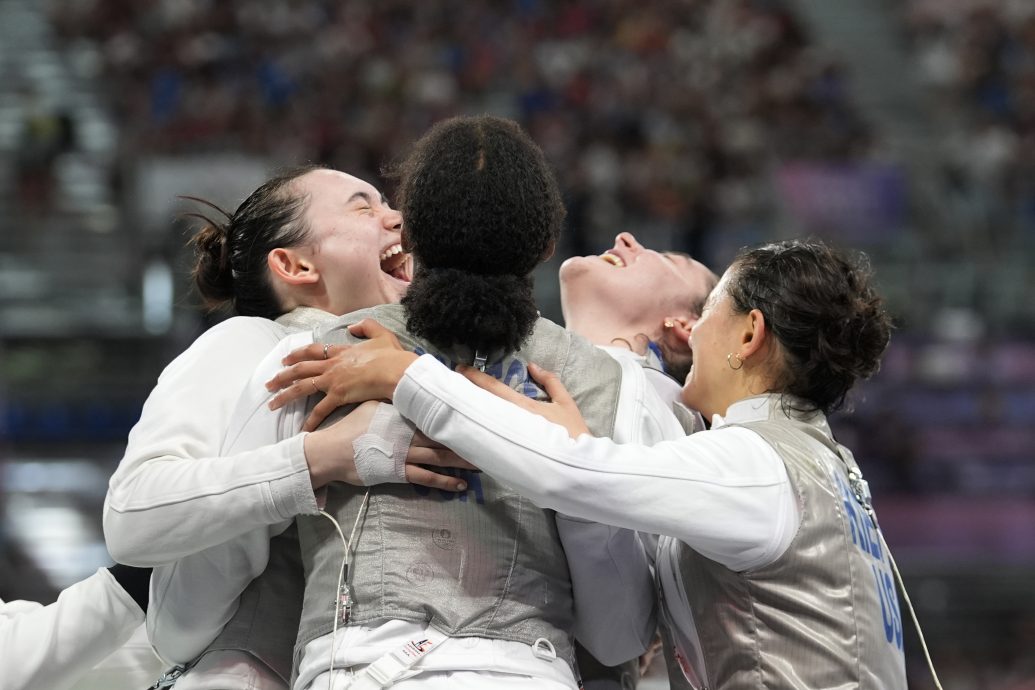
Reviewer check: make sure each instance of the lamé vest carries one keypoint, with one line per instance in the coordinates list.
(482, 563)
(823, 615)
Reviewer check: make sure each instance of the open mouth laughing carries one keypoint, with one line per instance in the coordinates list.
(397, 263)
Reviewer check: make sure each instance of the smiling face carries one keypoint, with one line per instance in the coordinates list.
(708, 388)
(353, 242)
(630, 289)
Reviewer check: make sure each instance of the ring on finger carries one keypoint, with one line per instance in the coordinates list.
(326, 347)
(315, 387)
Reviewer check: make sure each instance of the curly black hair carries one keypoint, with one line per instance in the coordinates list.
(824, 312)
(482, 209)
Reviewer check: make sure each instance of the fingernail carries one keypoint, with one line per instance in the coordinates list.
(461, 486)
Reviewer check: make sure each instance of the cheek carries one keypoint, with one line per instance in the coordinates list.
(593, 284)
(356, 276)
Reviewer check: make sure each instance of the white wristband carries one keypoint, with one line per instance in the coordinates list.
(380, 454)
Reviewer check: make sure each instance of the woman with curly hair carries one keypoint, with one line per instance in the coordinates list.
(772, 569)
(413, 588)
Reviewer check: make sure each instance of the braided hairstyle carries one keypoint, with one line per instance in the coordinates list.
(482, 209)
(824, 312)
(230, 268)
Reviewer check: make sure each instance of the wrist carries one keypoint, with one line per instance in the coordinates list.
(394, 372)
(320, 472)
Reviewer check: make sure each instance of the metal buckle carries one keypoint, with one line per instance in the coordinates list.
(169, 678)
(861, 491)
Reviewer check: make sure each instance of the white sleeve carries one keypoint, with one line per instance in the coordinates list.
(169, 497)
(193, 598)
(612, 587)
(53, 646)
(610, 569)
(724, 493)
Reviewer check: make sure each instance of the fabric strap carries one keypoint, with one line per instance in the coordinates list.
(390, 667)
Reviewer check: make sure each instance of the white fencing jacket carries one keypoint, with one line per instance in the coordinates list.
(169, 499)
(90, 638)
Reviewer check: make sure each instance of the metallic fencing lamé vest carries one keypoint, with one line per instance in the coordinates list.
(482, 563)
(823, 615)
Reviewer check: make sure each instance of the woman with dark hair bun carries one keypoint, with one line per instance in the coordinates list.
(305, 247)
(482, 211)
(490, 588)
(772, 569)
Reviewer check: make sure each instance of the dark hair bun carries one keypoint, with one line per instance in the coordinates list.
(448, 306)
(482, 209)
(230, 267)
(212, 273)
(824, 311)
(851, 337)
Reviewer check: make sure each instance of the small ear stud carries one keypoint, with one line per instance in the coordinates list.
(669, 323)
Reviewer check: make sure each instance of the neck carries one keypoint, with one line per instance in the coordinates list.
(600, 330)
(752, 383)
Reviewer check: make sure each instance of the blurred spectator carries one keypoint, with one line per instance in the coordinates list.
(46, 132)
(629, 100)
(978, 59)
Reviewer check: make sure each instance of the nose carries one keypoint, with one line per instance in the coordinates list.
(392, 220)
(626, 239)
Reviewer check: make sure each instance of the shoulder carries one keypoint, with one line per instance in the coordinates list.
(240, 327)
(237, 343)
(546, 328)
(757, 459)
(235, 337)
(570, 346)
(391, 316)
(569, 355)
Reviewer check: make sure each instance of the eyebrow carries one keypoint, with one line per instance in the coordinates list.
(366, 197)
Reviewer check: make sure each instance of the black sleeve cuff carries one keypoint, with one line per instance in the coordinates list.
(136, 582)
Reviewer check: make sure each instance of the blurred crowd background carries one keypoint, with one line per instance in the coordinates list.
(904, 128)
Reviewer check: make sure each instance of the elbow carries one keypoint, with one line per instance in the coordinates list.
(127, 545)
(174, 646)
(555, 491)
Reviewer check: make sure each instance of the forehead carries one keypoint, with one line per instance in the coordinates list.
(685, 263)
(333, 186)
(696, 274)
(719, 291)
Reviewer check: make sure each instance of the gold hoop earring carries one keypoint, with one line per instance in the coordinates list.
(729, 361)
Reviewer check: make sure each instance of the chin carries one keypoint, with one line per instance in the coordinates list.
(686, 396)
(571, 268)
